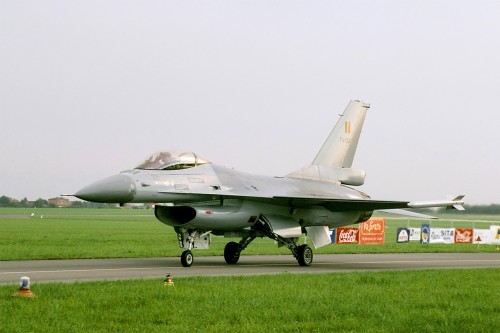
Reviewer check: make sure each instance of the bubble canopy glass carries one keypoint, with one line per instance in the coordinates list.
(171, 160)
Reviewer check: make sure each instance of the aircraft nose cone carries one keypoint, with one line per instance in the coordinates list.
(115, 189)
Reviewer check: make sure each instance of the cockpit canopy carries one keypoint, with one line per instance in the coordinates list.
(172, 160)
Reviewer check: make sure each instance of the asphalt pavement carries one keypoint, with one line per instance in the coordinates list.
(131, 268)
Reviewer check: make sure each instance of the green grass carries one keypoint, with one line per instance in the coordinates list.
(412, 301)
(114, 233)
(37, 212)
(409, 301)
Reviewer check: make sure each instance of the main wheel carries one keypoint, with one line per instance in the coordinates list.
(232, 253)
(304, 255)
(187, 258)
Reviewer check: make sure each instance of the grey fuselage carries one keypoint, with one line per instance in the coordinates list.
(212, 197)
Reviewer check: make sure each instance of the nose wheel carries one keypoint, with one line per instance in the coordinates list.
(187, 258)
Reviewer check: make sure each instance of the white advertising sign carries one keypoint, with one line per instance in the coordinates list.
(495, 234)
(414, 234)
(481, 236)
(442, 235)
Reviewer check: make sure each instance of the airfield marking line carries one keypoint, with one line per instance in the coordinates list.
(132, 268)
(135, 268)
(255, 264)
(84, 270)
(413, 261)
(223, 267)
(370, 262)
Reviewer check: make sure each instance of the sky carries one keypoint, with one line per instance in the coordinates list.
(91, 88)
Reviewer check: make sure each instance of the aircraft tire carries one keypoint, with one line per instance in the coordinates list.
(232, 253)
(187, 258)
(304, 255)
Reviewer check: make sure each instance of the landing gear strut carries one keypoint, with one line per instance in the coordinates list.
(190, 239)
(303, 253)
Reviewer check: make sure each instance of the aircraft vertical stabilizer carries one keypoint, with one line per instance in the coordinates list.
(334, 160)
(340, 146)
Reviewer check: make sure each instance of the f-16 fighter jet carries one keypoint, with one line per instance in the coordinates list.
(199, 199)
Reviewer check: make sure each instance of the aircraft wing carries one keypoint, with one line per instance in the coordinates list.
(332, 204)
(344, 205)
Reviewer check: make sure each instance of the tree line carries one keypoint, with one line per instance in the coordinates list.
(6, 201)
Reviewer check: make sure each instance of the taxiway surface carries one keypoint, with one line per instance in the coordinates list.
(128, 268)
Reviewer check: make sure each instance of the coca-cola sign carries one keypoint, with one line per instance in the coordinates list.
(347, 236)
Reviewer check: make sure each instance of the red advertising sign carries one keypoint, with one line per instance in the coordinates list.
(372, 231)
(463, 235)
(347, 236)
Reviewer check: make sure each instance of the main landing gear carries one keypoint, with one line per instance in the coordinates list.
(232, 253)
(233, 250)
(189, 238)
(302, 253)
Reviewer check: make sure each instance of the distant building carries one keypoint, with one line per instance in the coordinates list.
(59, 202)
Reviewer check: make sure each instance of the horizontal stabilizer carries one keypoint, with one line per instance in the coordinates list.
(460, 202)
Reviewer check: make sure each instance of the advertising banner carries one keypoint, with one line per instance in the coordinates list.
(403, 235)
(332, 236)
(463, 235)
(481, 236)
(347, 236)
(442, 236)
(495, 234)
(425, 232)
(414, 234)
(372, 231)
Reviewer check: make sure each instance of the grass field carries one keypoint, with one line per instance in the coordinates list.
(114, 233)
(403, 301)
(412, 301)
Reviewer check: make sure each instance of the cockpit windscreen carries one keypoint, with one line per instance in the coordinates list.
(171, 160)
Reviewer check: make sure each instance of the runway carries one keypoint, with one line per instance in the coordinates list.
(130, 268)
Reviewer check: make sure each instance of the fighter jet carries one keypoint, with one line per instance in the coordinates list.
(199, 199)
